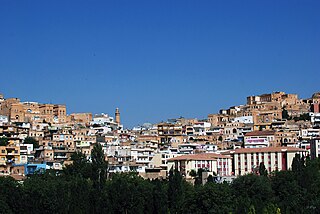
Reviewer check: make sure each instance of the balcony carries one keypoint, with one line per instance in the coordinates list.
(60, 157)
(143, 161)
(13, 154)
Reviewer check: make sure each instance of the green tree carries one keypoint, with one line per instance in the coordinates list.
(285, 114)
(271, 209)
(4, 141)
(197, 176)
(10, 196)
(46, 194)
(311, 185)
(160, 197)
(80, 166)
(99, 172)
(262, 170)
(210, 179)
(252, 210)
(210, 198)
(177, 190)
(31, 140)
(298, 167)
(130, 193)
(252, 190)
(79, 195)
(304, 117)
(99, 167)
(288, 194)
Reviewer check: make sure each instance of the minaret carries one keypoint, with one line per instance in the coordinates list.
(117, 116)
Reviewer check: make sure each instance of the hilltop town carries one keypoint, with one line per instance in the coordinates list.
(269, 129)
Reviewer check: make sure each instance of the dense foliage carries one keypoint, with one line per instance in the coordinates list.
(4, 141)
(31, 140)
(84, 188)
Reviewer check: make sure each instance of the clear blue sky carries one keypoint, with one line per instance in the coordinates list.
(157, 59)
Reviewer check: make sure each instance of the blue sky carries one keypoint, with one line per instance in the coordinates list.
(157, 59)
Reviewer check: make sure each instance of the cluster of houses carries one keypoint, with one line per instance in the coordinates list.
(269, 129)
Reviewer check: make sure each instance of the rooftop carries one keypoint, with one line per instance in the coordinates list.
(201, 156)
(265, 149)
(260, 133)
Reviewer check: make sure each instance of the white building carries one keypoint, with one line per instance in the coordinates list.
(244, 119)
(315, 118)
(142, 156)
(259, 139)
(217, 163)
(315, 148)
(105, 120)
(309, 133)
(3, 119)
(200, 128)
(247, 160)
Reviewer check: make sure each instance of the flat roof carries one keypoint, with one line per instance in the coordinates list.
(200, 156)
(265, 149)
(260, 133)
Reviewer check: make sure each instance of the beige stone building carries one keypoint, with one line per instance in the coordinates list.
(263, 119)
(32, 112)
(5, 106)
(9, 154)
(218, 120)
(167, 131)
(84, 118)
(279, 97)
(17, 113)
(286, 138)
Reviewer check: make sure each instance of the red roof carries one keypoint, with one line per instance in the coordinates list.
(265, 149)
(260, 133)
(200, 156)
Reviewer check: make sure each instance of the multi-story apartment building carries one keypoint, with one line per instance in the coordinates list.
(9, 154)
(142, 156)
(201, 128)
(315, 148)
(315, 119)
(265, 114)
(215, 163)
(259, 139)
(218, 119)
(32, 112)
(236, 130)
(247, 160)
(167, 131)
(286, 138)
(26, 153)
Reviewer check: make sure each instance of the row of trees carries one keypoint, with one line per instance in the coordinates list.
(84, 187)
